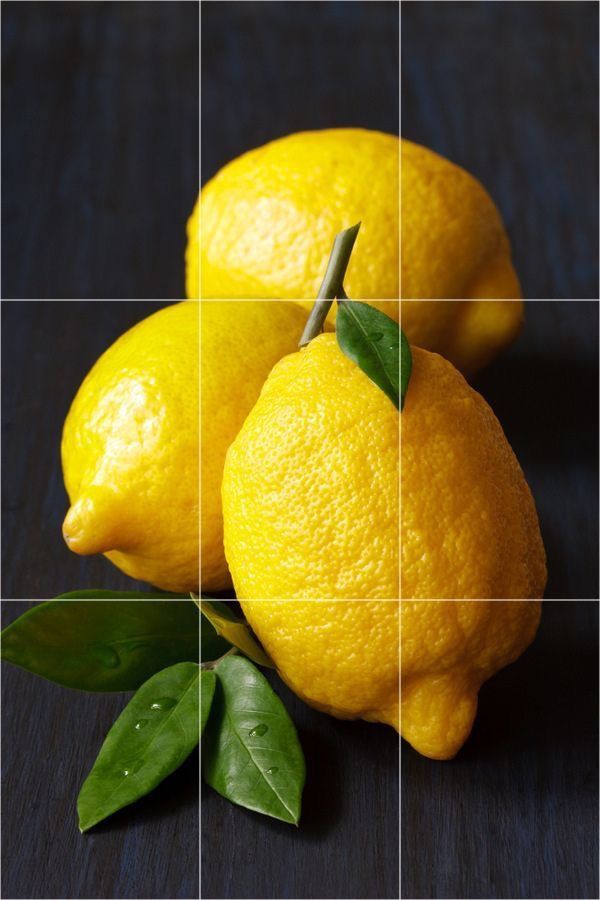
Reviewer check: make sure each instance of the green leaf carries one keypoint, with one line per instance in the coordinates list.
(208, 681)
(251, 753)
(102, 646)
(371, 340)
(212, 646)
(152, 737)
(405, 366)
(119, 595)
(234, 630)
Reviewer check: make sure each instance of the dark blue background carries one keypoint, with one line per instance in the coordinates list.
(269, 69)
(515, 814)
(509, 91)
(100, 155)
(51, 736)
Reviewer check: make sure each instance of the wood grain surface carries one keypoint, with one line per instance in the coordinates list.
(100, 151)
(47, 349)
(346, 845)
(270, 69)
(515, 814)
(509, 91)
(50, 739)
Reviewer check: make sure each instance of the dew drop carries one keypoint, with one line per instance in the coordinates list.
(259, 730)
(132, 767)
(272, 770)
(141, 724)
(163, 703)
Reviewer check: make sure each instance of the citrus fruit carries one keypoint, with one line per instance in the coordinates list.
(470, 333)
(454, 245)
(310, 485)
(448, 650)
(241, 341)
(269, 218)
(469, 527)
(340, 657)
(130, 452)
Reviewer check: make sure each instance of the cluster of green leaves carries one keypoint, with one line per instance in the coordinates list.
(149, 647)
(251, 754)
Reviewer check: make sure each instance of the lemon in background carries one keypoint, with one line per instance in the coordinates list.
(268, 218)
(454, 245)
(470, 333)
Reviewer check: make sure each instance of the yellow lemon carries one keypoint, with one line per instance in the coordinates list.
(470, 333)
(469, 526)
(241, 341)
(130, 452)
(269, 218)
(310, 486)
(340, 657)
(454, 245)
(448, 649)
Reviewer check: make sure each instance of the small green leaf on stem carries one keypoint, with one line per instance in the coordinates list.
(234, 630)
(372, 340)
(405, 367)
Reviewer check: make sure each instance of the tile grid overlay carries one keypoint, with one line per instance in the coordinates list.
(594, 601)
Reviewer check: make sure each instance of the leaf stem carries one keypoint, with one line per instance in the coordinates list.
(332, 286)
(215, 662)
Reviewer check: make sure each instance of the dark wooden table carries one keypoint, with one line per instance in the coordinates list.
(100, 154)
(270, 69)
(346, 845)
(510, 92)
(50, 739)
(47, 349)
(516, 813)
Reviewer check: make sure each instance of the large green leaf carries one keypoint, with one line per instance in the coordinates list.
(250, 751)
(102, 646)
(152, 737)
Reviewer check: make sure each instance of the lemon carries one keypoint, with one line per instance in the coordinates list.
(448, 650)
(470, 333)
(310, 485)
(241, 341)
(340, 657)
(454, 245)
(130, 450)
(469, 527)
(269, 218)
